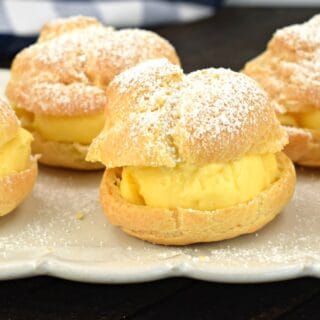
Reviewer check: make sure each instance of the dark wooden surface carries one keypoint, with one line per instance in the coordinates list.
(229, 39)
(47, 298)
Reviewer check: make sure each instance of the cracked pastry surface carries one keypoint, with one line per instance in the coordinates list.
(181, 152)
(18, 169)
(289, 70)
(58, 84)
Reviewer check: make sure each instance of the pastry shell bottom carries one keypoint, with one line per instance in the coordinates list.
(304, 146)
(186, 226)
(63, 154)
(14, 188)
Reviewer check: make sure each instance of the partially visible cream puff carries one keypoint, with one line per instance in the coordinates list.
(57, 85)
(190, 158)
(289, 70)
(18, 169)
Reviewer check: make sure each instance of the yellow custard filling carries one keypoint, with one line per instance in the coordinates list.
(81, 129)
(206, 187)
(309, 120)
(15, 154)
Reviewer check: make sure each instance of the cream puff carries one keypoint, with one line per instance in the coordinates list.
(18, 169)
(57, 85)
(289, 70)
(190, 158)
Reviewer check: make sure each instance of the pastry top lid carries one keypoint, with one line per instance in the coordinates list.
(66, 71)
(289, 69)
(9, 123)
(158, 116)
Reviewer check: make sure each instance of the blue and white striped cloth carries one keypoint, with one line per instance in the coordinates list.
(25, 17)
(21, 20)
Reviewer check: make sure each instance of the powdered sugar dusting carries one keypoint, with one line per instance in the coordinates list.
(82, 52)
(289, 69)
(302, 37)
(223, 106)
(208, 115)
(304, 41)
(148, 75)
(298, 131)
(46, 226)
(69, 100)
(8, 123)
(50, 219)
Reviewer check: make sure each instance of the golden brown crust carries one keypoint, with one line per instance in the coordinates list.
(58, 27)
(183, 226)
(15, 188)
(66, 71)
(289, 68)
(9, 123)
(304, 146)
(63, 154)
(56, 99)
(157, 116)
(289, 71)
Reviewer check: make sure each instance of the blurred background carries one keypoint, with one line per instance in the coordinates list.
(21, 20)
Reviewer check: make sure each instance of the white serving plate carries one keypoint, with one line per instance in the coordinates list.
(45, 236)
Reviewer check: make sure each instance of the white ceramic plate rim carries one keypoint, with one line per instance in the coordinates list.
(122, 272)
(116, 273)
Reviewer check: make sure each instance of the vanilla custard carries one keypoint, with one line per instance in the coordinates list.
(207, 187)
(15, 154)
(309, 120)
(81, 129)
